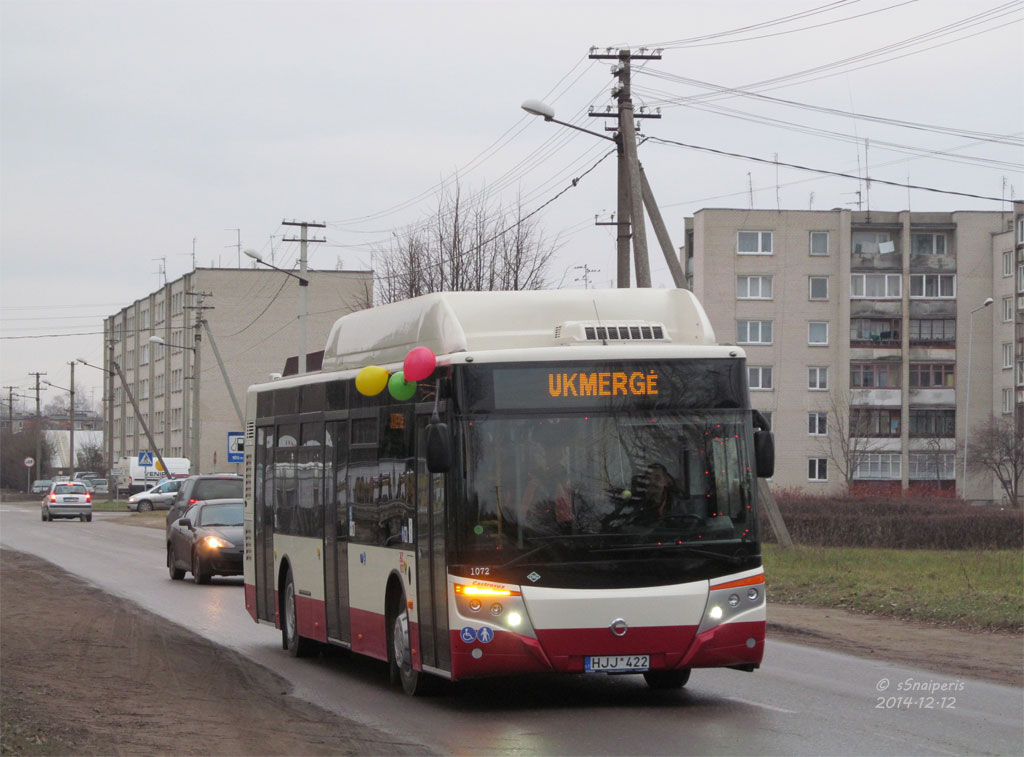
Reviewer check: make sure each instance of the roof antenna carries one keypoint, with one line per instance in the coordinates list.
(604, 341)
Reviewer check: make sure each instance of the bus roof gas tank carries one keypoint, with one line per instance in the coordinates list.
(451, 322)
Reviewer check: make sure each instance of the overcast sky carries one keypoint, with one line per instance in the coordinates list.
(135, 132)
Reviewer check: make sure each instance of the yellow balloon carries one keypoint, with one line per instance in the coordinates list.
(371, 380)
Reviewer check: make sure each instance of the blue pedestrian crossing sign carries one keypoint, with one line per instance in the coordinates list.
(145, 458)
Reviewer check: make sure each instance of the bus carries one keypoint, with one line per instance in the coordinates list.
(573, 488)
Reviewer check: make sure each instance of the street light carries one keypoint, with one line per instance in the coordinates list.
(967, 408)
(71, 416)
(303, 298)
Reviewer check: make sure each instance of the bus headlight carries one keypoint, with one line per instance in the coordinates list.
(725, 604)
(507, 614)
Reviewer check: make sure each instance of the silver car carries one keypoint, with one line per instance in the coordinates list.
(159, 497)
(67, 499)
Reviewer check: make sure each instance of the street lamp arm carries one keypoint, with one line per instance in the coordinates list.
(259, 259)
(580, 128)
(545, 111)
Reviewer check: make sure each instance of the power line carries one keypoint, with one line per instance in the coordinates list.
(823, 171)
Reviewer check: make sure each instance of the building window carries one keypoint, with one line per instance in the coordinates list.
(876, 286)
(931, 330)
(759, 377)
(818, 286)
(875, 331)
(144, 355)
(931, 422)
(817, 378)
(932, 375)
(753, 287)
(874, 422)
(817, 469)
(1020, 279)
(875, 375)
(1008, 263)
(1020, 373)
(884, 466)
(1007, 400)
(1007, 354)
(754, 332)
(143, 389)
(819, 243)
(1020, 230)
(754, 242)
(932, 285)
(1007, 309)
(928, 244)
(158, 385)
(873, 243)
(817, 424)
(933, 466)
(817, 333)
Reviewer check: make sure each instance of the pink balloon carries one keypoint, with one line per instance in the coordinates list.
(419, 364)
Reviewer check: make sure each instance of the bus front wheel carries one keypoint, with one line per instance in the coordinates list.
(296, 645)
(667, 679)
(414, 682)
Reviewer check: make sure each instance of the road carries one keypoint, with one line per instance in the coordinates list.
(802, 701)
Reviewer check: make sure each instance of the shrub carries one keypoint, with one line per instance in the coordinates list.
(896, 522)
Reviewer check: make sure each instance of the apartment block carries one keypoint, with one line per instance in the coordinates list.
(253, 317)
(869, 342)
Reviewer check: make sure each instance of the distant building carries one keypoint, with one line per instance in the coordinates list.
(253, 314)
(857, 327)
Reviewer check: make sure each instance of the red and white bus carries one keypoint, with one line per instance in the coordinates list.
(573, 489)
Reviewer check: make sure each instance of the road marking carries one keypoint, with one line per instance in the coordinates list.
(765, 706)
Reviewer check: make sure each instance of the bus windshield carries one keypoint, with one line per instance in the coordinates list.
(582, 486)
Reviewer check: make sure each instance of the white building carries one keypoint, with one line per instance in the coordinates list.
(253, 316)
(864, 320)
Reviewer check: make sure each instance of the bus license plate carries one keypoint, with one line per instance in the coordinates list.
(634, 663)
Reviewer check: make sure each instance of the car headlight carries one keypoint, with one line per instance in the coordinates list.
(214, 542)
(131, 499)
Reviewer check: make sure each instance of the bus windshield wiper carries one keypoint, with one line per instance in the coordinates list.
(731, 559)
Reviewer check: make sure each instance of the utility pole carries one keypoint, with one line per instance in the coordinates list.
(111, 484)
(634, 192)
(71, 415)
(303, 291)
(138, 415)
(10, 407)
(585, 278)
(197, 339)
(39, 429)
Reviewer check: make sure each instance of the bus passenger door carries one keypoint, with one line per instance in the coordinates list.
(336, 532)
(263, 526)
(431, 571)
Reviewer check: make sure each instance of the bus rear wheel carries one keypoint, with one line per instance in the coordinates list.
(296, 645)
(667, 679)
(414, 683)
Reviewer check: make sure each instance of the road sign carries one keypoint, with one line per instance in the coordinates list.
(236, 446)
(145, 458)
(29, 462)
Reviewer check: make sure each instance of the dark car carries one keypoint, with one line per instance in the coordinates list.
(206, 541)
(200, 488)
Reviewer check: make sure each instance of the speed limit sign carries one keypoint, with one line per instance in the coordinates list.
(29, 462)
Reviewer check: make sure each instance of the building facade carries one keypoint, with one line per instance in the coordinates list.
(253, 317)
(869, 344)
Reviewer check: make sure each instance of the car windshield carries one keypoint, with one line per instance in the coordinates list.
(221, 515)
(218, 488)
(69, 489)
(593, 486)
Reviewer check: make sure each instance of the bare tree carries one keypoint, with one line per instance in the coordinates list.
(998, 446)
(90, 457)
(464, 245)
(850, 436)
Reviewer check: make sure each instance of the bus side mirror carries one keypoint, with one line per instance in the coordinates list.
(764, 446)
(764, 453)
(439, 448)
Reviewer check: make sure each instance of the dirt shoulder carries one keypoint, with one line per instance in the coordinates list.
(87, 673)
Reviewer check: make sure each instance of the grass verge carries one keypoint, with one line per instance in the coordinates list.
(968, 589)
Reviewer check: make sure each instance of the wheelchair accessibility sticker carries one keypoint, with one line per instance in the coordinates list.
(484, 635)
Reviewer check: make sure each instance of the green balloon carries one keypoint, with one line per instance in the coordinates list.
(399, 388)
